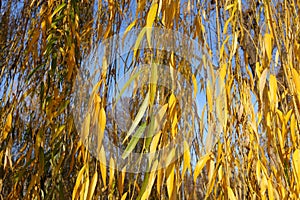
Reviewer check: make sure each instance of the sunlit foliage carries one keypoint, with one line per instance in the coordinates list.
(254, 151)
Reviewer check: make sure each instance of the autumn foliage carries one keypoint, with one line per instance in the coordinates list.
(246, 146)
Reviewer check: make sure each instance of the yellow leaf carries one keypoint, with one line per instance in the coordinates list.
(7, 126)
(258, 172)
(172, 103)
(174, 125)
(8, 122)
(101, 126)
(170, 157)
(186, 158)
(159, 117)
(78, 181)
(93, 185)
(102, 160)
(159, 178)
(111, 172)
(200, 164)
(231, 194)
(170, 179)
(273, 90)
(222, 71)
(153, 146)
(153, 83)
(154, 142)
(127, 30)
(220, 173)
(263, 185)
(209, 95)
(262, 82)
(292, 127)
(211, 170)
(195, 85)
(150, 181)
(268, 45)
(296, 78)
(124, 196)
(229, 6)
(149, 22)
(138, 41)
(85, 188)
(102, 120)
(86, 128)
(296, 165)
(270, 190)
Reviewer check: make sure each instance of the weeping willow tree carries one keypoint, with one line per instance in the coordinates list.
(253, 54)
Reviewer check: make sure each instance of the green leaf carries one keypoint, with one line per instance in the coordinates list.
(59, 8)
(134, 140)
(138, 116)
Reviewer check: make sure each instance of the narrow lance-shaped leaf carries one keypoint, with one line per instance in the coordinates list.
(93, 185)
(101, 127)
(150, 181)
(200, 164)
(138, 117)
(134, 140)
(150, 20)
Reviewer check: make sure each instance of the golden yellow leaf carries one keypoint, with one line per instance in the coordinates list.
(172, 103)
(231, 195)
(129, 27)
(296, 78)
(273, 90)
(270, 190)
(209, 96)
(124, 196)
(292, 128)
(138, 41)
(93, 185)
(85, 188)
(174, 125)
(102, 120)
(154, 142)
(78, 181)
(296, 165)
(211, 170)
(170, 179)
(195, 85)
(102, 160)
(149, 22)
(186, 158)
(159, 117)
(101, 126)
(153, 146)
(268, 45)
(263, 184)
(111, 172)
(200, 164)
(222, 71)
(159, 178)
(220, 173)
(7, 126)
(153, 83)
(86, 127)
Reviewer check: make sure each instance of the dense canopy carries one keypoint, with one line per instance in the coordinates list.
(245, 139)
